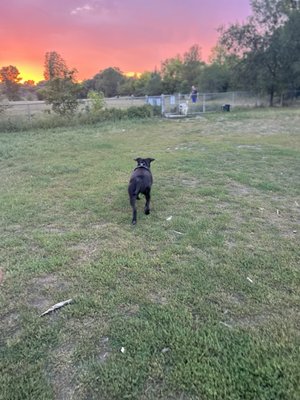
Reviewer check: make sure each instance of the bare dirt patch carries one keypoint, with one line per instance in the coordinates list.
(237, 189)
(42, 291)
(284, 216)
(85, 251)
(62, 372)
(158, 298)
(192, 182)
(129, 310)
(11, 322)
(227, 302)
(51, 228)
(253, 321)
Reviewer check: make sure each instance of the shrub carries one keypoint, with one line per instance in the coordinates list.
(48, 121)
(97, 100)
(145, 111)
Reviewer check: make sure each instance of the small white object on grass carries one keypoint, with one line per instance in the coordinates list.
(249, 279)
(123, 350)
(225, 324)
(56, 307)
(169, 218)
(165, 349)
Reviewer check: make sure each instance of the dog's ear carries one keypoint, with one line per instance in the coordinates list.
(137, 159)
(150, 159)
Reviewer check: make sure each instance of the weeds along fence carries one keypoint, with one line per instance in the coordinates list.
(169, 105)
(33, 109)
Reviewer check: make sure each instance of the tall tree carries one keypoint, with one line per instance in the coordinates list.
(62, 94)
(288, 43)
(171, 72)
(192, 67)
(9, 76)
(128, 85)
(142, 83)
(215, 77)
(255, 45)
(154, 85)
(108, 81)
(54, 66)
(61, 89)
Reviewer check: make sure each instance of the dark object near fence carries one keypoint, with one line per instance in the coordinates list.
(226, 107)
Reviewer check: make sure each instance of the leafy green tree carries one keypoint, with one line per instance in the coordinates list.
(154, 85)
(288, 43)
(108, 81)
(62, 94)
(128, 86)
(255, 45)
(214, 77)
(86, 86)
(9, 76)
(172, 74)
(142, 83)
(60, 89)
(192, 68)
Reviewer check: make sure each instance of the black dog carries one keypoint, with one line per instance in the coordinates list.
(140, 182)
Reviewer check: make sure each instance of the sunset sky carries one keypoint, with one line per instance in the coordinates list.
(91, 35)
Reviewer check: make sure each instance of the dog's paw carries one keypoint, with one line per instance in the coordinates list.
(147, 212)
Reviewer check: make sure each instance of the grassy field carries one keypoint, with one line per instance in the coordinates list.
(200, 300)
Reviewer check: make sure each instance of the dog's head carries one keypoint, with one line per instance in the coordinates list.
(143, 162)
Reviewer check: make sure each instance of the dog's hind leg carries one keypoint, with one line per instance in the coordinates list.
(147, 205)
(132, 203)
(132, 199)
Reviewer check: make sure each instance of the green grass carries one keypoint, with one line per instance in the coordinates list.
(205, 304)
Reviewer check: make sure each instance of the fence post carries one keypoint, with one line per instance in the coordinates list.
(28, 112)
(162, 104)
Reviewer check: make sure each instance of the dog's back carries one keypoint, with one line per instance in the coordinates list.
(140, 182)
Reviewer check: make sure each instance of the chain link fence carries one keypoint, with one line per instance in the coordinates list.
(177, 105)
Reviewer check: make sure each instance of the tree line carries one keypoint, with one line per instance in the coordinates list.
(261, 54)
